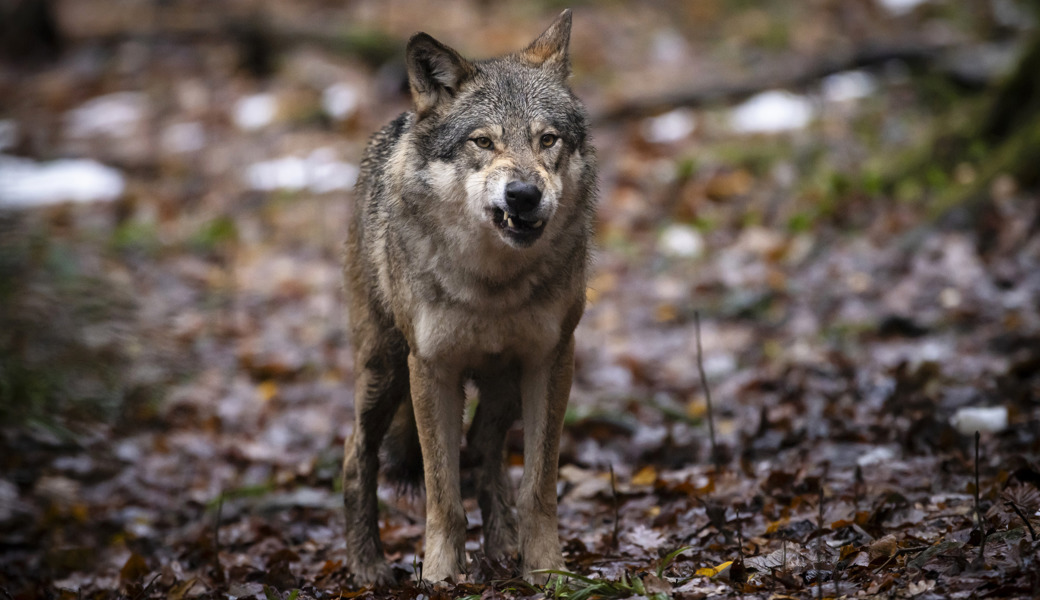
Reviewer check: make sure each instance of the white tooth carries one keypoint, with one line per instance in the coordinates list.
(509, 221)
(537, 223)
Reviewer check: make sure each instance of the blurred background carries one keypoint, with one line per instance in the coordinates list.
(845, 190)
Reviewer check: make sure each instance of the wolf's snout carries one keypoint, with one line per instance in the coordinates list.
(522, 197)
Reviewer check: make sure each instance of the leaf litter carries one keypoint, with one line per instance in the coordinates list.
(180, 436)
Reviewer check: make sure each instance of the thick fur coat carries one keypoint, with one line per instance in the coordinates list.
(467, 259)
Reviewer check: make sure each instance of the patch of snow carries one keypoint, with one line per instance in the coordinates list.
(255, 112)
(184, 138)
(719, 365)
(118, 115)
(969, 419)
(681, 241)
(320, 172)
(877, 455)
(25, 183)
(328, 174)
(339, 101)
(670, 127)
(900, 7)
(771, 112)
(8, 134)
(848, 85)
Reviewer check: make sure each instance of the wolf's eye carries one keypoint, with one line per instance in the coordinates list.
(483, 142)
(549, 140)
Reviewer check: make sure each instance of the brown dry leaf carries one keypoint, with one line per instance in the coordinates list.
(848, 550)
(885, 547)
(134, 568)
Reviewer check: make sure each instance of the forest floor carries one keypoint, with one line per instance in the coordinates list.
(176, 364)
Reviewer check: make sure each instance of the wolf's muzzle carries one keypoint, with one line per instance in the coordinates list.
(521, 197)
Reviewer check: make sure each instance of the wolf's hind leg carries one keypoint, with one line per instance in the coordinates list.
(499, 407)
(380, 385)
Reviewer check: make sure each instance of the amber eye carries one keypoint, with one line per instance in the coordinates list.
(549, 140)
(483, 142)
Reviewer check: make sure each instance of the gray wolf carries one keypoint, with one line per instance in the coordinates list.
(466, 260)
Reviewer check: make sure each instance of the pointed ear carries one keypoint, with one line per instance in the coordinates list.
(550, 49)
(435, 72)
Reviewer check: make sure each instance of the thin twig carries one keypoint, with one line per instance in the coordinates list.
(1018, 512)
(145, 589)
(885, 564)
(819, 545)
(614, 536)
(978, 505)
(716, 458)
(216, 536)
(857, 487)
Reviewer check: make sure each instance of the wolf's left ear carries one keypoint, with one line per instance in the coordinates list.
(435, 72)
(550, 49)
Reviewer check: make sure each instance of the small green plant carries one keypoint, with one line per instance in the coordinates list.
(667, 560)
(566, 585)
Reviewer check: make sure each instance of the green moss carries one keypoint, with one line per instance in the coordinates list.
(139, 237)
(214, 235)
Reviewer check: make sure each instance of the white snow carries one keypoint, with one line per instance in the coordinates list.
(670, 127)
(320, 172)
(682, 241)
(117, 115)
(25, 183)
(876, 455)
(848, 85)
(255, 112)
(970, 419)
(339, 101)
(900, 7)
(771, 112)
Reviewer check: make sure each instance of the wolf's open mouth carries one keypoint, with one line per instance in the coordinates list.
(516, 226)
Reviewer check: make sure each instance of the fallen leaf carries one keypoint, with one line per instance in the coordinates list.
(134, 568)
(646, 476)
(713, 571)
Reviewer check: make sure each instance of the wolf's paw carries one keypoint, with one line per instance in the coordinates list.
(439, 573)
(375, 574)
(534, 571)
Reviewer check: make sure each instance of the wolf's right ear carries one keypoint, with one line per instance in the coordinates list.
(435, 72)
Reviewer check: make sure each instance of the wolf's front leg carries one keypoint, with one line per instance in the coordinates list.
(545, 391)
(437, 399)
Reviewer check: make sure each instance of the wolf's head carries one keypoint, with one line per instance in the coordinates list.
(500, 145)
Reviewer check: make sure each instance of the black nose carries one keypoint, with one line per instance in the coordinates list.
(522, 197)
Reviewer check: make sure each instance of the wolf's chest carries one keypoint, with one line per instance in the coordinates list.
(464, 337)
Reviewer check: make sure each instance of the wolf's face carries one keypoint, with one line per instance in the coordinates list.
(500, 142)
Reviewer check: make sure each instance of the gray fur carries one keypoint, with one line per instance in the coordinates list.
(442, 291)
